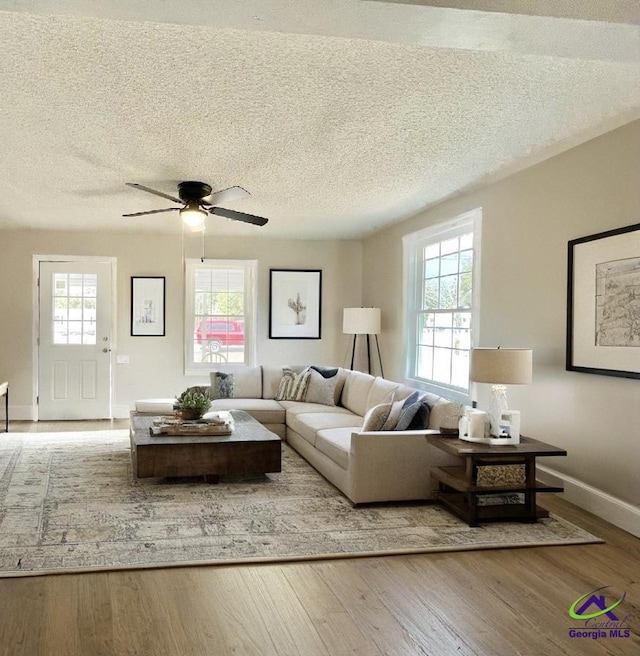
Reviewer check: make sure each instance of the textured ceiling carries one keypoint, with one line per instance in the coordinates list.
(339, 117)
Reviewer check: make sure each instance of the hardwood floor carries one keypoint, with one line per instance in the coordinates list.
(493, 603)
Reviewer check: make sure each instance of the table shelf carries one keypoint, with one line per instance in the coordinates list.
(460, 492)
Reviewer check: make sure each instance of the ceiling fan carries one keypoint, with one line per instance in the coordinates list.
(198, 200)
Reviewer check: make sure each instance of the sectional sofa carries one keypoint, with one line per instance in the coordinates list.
(365, 434)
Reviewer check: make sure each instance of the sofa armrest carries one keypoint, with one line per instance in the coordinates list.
(393, 465)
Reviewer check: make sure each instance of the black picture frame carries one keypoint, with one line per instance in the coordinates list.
(295, 303)
(148, 306)
(603, 303)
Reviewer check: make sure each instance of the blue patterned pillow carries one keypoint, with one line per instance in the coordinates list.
(221, 385)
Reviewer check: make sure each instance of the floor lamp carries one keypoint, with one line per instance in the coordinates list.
(363, 321)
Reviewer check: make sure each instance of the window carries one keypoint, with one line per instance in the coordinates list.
(220, 313)
(74, 308)
(441, 271)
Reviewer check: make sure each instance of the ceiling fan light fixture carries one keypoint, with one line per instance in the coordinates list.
(193, 216)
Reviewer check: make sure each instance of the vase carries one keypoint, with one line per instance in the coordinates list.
(188, 414)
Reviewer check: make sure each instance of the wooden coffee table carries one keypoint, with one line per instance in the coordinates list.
(250, 448)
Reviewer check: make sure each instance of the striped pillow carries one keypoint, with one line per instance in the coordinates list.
(293, 386)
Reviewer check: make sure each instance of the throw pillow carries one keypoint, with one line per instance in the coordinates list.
(414, 416)
(327, 372)
(394, 415)
(293, 387)
(221, 385)
(322, 386)
(375, 418)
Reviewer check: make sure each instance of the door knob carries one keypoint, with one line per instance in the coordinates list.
(106, 350)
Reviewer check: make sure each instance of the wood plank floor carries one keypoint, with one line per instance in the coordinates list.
(494, 603)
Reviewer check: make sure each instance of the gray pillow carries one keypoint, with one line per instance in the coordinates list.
(221, 385)
(413, 416)
(321, 388)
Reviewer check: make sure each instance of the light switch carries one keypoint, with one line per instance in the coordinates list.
(122, 359)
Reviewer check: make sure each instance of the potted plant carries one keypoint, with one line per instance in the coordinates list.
(191, 404)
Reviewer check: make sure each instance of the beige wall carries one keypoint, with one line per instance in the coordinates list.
(156, 363)
(528, 219)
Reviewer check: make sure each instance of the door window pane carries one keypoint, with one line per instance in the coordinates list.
(74, 308)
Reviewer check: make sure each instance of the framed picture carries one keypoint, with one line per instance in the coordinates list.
(147, 306)
(295, 303)
(603, 303)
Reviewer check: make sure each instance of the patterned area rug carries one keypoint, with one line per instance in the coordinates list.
(68, 502)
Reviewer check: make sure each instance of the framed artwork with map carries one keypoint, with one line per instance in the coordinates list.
(295, 303)
(603, 303)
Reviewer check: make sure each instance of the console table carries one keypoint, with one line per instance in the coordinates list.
(460, 489)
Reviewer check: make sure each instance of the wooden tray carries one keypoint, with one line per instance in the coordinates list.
(191, 428)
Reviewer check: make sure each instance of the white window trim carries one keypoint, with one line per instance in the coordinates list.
(251, 306)
(411, 244)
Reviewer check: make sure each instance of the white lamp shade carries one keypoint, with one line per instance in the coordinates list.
(502, 366)
(361, 321)
(193, 216)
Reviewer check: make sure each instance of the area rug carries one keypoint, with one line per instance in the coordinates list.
(69, 503)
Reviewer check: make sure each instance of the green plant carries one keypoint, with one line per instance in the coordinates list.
(193, 402)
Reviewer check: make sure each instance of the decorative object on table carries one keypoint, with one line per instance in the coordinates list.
(450, 424)
(295, 303)
(191, 404)
(603, 303)
(363, 321)
(212, 423)
(501, 367)
(474, 425)
(148, 306)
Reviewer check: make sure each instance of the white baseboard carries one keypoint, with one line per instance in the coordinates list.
(121, 411)
(20, 413)
(615, 511)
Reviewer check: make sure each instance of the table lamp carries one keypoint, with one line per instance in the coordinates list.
(501, 367)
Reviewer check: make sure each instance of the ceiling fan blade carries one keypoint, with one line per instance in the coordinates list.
(238, 216)
(226, 196)
(135, 185)
(168, 209)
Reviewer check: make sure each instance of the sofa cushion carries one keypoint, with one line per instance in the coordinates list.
(271, 377)
(355, 392)
(300, 407)
(307, 424)
(321, 387)
(266, 411)
(382, 391)
(335, 443)
(247, 381)
(293, 386)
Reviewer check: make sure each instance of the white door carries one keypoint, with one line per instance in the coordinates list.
(74, 345)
